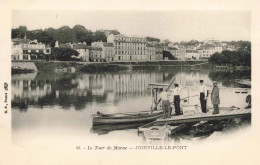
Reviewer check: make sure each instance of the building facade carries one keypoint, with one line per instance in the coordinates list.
(95, 54)
(150, 52)
(208, 51)
(182, 52)
(108, 50)
(128, 48)
(83, 51)
(158, 53)
(23, 49)
(192, 54)
(174, 51)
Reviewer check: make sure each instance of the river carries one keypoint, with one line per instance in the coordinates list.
(52, 106)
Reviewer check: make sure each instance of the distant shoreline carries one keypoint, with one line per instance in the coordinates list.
(91, 67)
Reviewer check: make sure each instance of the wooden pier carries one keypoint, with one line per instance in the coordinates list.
(197, 117)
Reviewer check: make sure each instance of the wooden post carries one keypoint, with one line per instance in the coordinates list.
(188, 97)
(152, 97)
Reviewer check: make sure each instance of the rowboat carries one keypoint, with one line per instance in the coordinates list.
(126, 118)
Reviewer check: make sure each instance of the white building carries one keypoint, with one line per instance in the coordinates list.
(17, 52)
(83, 51)
(192, 54)
(208, 51)
(24, 49)
(128, 48)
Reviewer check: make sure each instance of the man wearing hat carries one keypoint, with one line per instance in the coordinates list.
(215, 98)
(164, 96)
(203, 96)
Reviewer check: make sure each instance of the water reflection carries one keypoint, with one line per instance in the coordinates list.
(79, 90)
(62, 105)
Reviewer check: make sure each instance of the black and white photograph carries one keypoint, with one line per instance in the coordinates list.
(114, 86)
(145, 76)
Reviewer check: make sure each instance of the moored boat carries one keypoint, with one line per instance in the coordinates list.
(126, 118)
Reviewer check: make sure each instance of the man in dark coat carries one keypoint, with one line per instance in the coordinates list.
(215, 98)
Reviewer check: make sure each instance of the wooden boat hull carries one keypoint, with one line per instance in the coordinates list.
(97, 120)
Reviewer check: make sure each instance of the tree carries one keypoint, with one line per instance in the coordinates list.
(166, 42)
(169, 55)
(65, 35)
(63, 54)
(244, 46)
(233, 58)
(100, 36)
(19, 32)
(79, 28)
(15, 33)
(152, 39)
(214, 58)
(115, 32)
(45, 38)
(22, 31)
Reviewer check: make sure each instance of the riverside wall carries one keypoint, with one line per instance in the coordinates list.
(69, 66)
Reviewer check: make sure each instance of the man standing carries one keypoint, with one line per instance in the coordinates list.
(176, 98)
(215, 98)
(203, 96)
(164, 96)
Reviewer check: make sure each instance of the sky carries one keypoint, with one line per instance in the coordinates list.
(173, 25)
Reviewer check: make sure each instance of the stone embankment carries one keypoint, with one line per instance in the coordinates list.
(71, 67)
(23, 67)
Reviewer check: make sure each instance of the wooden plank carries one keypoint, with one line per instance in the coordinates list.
(247, 111)
(204, 118)
(232, 112)
(241, 111)
(225, 112)
(179, 127)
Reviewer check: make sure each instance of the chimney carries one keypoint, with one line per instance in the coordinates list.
(56, 44)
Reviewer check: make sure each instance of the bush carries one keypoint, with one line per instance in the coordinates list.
(231, 58)
(64, 54)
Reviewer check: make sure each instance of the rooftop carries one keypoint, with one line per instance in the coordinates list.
(95, 48)
(191, 51)
(65, 46)
(173, 48)
(80, 46)
(21, 41)
(108, 44)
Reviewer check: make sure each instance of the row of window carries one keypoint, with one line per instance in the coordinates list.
(130, 44)
(34, 46)
(126, 47)
(131, 52)
(131, 39)
(96, 56)
(131, 58)
(32, 51)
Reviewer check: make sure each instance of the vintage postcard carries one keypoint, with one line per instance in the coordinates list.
(110, 84)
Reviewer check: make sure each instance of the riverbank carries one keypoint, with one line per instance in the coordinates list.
(23, 67)
(69, 66)
(232, 67)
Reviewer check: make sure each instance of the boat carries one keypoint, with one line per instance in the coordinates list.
(135, 117)
(126, 118)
